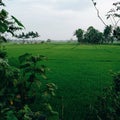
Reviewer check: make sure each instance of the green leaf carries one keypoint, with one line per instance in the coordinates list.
(3, 27)
(11, 32)
(38, 83)
(3, 13)
(43, 76)
(27, 113)
(17, 21)
(27, 64)
(1, 3)
(117, 15)
(23, 57)
(2, 39)
(11, 116)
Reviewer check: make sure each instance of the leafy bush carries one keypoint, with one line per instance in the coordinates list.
(19, 87)
(107, 106)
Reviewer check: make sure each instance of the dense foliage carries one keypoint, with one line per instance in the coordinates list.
(79, 34)
(19, 86)
(110, 33)
(107, 106)
(92, 36)
(28, 35)
(8, 24)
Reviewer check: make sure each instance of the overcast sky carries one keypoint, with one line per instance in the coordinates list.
(58, 19)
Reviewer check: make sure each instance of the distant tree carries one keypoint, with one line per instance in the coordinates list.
(48, 40)
(113, 14)
(8, 26)
(93, 36)
(107, 34)
(32, 34)
(22, 36)
(42, 41)
(28, 35)
(116, 33)
(79, 34)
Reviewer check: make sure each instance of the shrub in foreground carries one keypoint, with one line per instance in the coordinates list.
(107, 106)
(19, 88)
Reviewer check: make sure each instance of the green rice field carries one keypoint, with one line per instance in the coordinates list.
(80, 72)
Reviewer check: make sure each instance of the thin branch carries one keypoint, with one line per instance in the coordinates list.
(111, 21)
(98, 13)
(117, 22)
(114, 19)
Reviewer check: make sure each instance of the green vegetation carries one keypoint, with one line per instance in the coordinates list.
(29, 35)
(20, 85)
(79, 34)
(80, 72)
(107, 106)
(111, 31)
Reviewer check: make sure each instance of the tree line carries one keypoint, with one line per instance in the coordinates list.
(110, 33)
(94, 36)
(28, 35)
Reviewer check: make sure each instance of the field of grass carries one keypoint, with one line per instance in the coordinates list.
(79, 71)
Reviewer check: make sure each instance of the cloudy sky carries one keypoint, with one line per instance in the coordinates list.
(58, 19)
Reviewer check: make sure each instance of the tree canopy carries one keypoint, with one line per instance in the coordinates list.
(92, 36)
(79, 34)
(114, 15)
(8, 23)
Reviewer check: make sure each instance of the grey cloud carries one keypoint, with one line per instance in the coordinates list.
(60, 4)
(73, 5)
(67, 4)
(57, 19)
